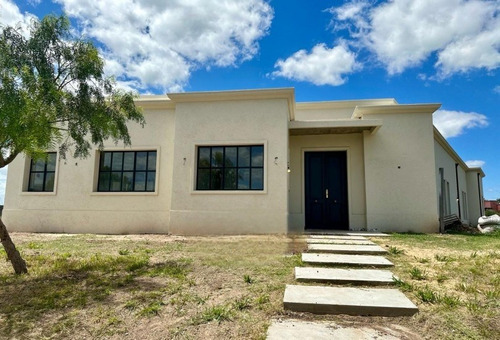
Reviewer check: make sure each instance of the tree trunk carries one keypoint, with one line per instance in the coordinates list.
(12, 253)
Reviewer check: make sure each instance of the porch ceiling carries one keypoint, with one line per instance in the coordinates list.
(327, 127)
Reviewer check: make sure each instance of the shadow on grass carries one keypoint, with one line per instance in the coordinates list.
(61, 283)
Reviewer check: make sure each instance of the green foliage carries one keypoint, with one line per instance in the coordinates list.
(417, 274)
(216, 313)
(247, 279)
(395, 250)
(53, 92)
(427, 295)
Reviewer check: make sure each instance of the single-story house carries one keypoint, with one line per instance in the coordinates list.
(253, 161)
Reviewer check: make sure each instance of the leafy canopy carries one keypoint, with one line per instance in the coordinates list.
(53, 93)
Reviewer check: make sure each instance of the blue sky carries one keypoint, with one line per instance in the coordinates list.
(416, 51)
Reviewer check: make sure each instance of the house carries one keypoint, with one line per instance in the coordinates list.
(253, 161)
(493, 205)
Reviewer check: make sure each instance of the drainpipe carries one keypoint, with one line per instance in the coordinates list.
(458, 192)
(480, 195)
(441, 201)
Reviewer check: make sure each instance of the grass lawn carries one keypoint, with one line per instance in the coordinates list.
(164, 287)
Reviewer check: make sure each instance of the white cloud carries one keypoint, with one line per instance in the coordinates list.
(497, 89)
(404, 33)
(475, 163)
(3, 180)
(159, 43)
(322, 66)
(454, 123)
(11, 16)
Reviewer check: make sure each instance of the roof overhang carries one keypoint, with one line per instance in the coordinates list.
(361, 111)
(447, 147)
(277, 93)
(339, 126)
(154, 102)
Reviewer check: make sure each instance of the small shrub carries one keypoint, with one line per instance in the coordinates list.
(137, 263)
(395, 250)
(124, 252)
(441, 278)
(248, 279)
(243, 303)
(450, 300)
(404, 286)
(217, 313)
(443, 258)
(418, 274)
(152, 309)
(262, 299)
(427, 295)
(131, 305)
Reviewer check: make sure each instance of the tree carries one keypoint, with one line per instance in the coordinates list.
(54, 94)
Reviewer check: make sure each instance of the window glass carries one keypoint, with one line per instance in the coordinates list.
(243, 156)
(116, 181)
(117, 161)
(141, 161)
(217, 157)
(151, 160)
(230, 182)
(257, 179)
(140, 181)
(103, 181)
(106, 161)
(204, 157)
(36, 182)
(51, 161)
(150, 183)
(128, 161)
(203, 182)
(38, 165)
(231, 156)
(127, 181)
(243, 178)
(257, 156)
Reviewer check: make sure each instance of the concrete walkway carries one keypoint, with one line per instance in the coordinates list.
(332, 251)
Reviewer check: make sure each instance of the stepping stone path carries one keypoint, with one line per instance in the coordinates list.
(334, 251)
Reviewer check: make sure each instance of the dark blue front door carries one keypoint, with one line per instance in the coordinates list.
(326, 190)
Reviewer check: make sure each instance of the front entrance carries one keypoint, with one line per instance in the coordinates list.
(326, 190)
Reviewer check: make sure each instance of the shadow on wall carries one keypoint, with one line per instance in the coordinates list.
(1, 208)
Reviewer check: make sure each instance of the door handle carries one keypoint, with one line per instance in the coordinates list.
(326, 193)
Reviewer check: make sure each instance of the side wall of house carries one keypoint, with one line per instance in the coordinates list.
(400, 174)
(76, 207)
(475, 199)
(242, 122)
(353, 144)
(451, 203)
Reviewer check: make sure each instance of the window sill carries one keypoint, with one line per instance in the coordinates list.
(38, 193)
(229, 192)
(124, 193)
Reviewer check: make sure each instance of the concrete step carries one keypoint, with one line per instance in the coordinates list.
(346, 233)
(346, 249)
(336, 241)
(344, 276)
(348, 300)
(336, 237)
(327, 330)
(342, 259)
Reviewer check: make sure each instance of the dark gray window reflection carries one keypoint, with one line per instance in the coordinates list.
(42, 173)
(127, 171)
(238, 167)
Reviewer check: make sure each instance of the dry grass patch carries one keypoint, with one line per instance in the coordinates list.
(147, 287)
(454, 280)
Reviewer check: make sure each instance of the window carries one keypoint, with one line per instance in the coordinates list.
(465, 208)
(43, 173)
(127, 171)
(230, 167)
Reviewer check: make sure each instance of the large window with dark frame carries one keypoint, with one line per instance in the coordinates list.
(127, 171)
(238, 167)
(43, 173)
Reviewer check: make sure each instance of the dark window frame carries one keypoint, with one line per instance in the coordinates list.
(223, 167)
(45, 172)
(134, 171)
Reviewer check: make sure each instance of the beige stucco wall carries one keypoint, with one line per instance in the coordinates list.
(353, 144)
(400, 174)
(230, 123)
(447, 162)
(75, 207)
(475, 196)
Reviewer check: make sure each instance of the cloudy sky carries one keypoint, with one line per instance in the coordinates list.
(416, 51)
